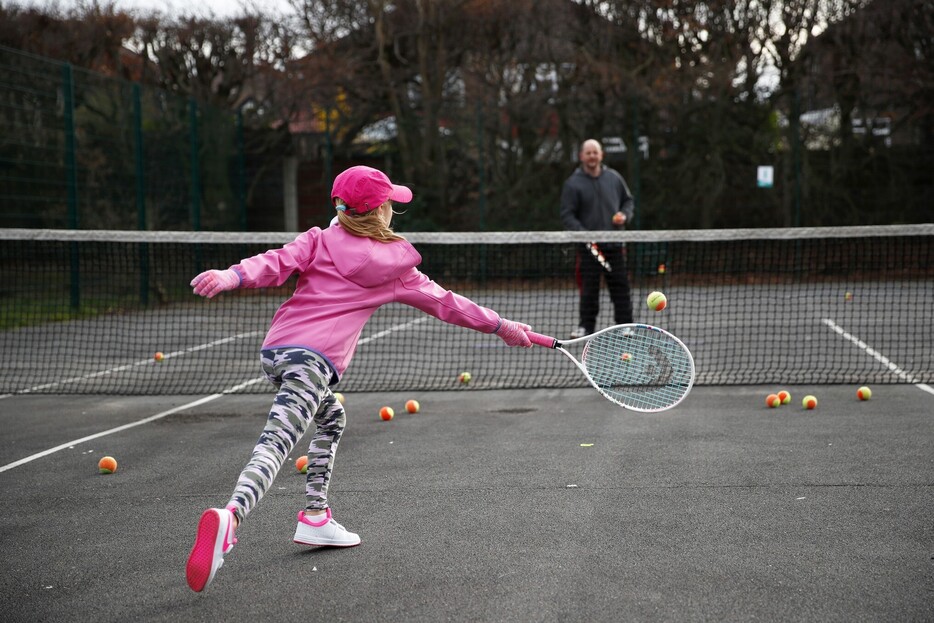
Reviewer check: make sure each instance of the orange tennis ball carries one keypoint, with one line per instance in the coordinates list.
(661, 269)
(619, 218)
(158, 356)
(657, 301)
(301, 464)
(773, 401)
(464, 377)
(864, 393)
(626, 357)
(412, 406)
(809, 402)
(386, 413)
(107, 465)
(784, 396)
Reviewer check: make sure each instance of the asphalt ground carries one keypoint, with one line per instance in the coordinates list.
(538, 505)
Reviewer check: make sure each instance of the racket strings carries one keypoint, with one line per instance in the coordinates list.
(639, 367)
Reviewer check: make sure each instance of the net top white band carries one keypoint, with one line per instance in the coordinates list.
(519, 237)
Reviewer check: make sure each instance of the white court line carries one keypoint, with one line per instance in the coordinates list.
(189, 405)
(151, 418)
(135, 364)
(885, 361)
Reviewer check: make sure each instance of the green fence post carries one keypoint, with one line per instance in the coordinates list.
(140, 194)
(195, 165)
(241, 170)
(71, 178)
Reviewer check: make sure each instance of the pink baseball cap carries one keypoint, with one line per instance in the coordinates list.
(364, 188)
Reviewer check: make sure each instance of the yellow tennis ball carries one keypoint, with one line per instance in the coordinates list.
(809, 402)
(386, 413)
(158, 356)
(464, 377)
(661, 269)
(784, 396)
(657, 301)
(773, 401)
(339, 396)
(848, 296)
(107, 465)
(412, 406)
(864, 393)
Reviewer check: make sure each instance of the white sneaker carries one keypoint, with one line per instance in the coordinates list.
(323, 532)
(579, 332)
(214, 539)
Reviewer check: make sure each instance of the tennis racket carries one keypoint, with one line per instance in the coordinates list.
(598, 255)
(637, 366)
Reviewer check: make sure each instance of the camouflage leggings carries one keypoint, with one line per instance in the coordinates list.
(303, 396)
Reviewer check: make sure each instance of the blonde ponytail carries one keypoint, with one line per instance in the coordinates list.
(368, 225)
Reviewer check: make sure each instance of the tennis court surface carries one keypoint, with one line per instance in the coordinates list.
(488, 505)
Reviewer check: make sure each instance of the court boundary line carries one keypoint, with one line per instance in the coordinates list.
(872, 352)
(135, 364)
(190, 405)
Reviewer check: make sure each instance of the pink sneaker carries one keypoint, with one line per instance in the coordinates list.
(215, 538)
(326, 531)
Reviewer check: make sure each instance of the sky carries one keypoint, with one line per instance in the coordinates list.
(220, 8)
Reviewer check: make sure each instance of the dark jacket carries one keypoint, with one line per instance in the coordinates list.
(589, 203)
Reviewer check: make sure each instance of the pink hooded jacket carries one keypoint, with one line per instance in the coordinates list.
(343, 279)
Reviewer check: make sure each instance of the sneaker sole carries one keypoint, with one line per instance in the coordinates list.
(207, 554)
(323, 542)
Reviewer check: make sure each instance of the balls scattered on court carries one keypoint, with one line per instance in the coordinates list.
(661, 269)
(386, 413)
(158, 356)
(301, 464)
(626, 357)
(339, 396)
(107, 465)
(784, 396)
(809, 402)
(464, 377)
(864, 393)
(412, 406)
(657, 301)
(773, 401)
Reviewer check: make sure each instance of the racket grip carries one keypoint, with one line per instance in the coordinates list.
(542, 340)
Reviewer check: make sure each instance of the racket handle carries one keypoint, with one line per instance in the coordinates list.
(542, 340)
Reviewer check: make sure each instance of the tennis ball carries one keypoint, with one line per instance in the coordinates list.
(386, 413)
(661, 269)
(773, 401)
(464, 377)
(301, 464)
(784, 396)
(107, 465)
(657, 301)
(809, 402)
(848, 296)
(158, 356)
(412, 406)
(626, 357)
(864, 393)
(339, 396)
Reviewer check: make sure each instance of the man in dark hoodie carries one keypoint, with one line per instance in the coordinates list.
(596, 198)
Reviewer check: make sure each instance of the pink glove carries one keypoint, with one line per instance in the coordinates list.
(211, 282)
(514, 333)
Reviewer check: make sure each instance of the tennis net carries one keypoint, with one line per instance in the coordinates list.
(85, 311)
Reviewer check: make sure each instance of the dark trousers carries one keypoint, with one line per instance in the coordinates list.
(590, 272)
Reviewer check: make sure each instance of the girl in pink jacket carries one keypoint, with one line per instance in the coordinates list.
(345, 272)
